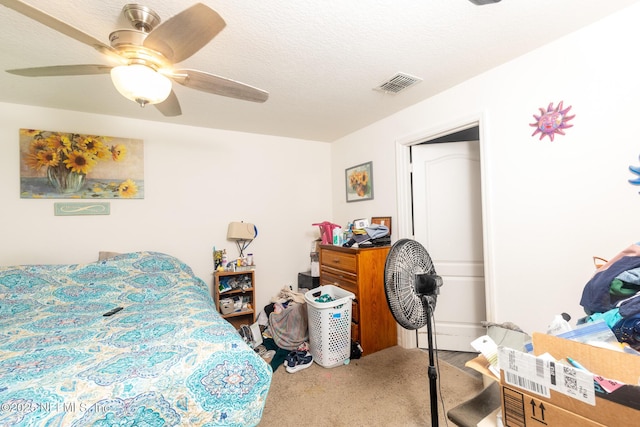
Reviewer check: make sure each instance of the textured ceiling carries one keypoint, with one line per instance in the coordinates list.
(319, 60)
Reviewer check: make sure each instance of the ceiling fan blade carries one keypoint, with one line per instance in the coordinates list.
(217, 85)
(57, 25)
(184, 34)
(170, 107)
(62, 70)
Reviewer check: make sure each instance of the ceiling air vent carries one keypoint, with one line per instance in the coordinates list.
(397, 83)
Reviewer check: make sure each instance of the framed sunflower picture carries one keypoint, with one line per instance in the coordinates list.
(62, 165)
(359, 182)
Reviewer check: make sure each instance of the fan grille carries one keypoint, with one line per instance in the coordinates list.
(406, 259)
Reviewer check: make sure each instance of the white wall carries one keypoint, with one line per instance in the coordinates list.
(196, 182)
(551, 205)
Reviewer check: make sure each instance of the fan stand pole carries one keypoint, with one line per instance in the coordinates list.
(433, 373)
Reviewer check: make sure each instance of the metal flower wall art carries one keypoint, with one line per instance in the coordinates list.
(552, 121)
(636, 171)
(72, 165)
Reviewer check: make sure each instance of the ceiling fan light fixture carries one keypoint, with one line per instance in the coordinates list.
(141, 84)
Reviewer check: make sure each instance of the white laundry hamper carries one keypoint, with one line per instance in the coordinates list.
(329, 325)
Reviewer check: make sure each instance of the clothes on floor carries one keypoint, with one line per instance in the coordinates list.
(278, 358)
(285, 324)
(289, 327)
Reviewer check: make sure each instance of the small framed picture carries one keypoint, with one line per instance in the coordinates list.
(359, 182)
(382, 220)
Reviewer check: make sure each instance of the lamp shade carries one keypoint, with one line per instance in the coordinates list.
(141, 84)
(241, 231)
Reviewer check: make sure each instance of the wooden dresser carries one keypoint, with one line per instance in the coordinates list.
(361, 271)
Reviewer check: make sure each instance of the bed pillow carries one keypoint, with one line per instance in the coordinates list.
(102, 255)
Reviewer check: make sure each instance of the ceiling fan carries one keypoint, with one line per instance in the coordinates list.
(144, 56)
(483, 2)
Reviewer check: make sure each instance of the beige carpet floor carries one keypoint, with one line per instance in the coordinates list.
(387, 388)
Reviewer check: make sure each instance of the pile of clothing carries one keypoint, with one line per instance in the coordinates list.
(285, 331)
(371, 235)
(613, 295)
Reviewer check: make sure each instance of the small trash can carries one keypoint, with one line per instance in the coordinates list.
(329, 325)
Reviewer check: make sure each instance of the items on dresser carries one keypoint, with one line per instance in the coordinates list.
(326, 231)
(361, 271)
(373, 235)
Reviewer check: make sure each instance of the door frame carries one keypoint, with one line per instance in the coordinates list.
(408, 338)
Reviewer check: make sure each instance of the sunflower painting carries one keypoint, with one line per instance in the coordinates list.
(359, 182)
(75, 166)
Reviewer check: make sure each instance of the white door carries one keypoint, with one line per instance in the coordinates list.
(447, 215)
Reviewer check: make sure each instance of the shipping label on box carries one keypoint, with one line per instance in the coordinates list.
(541, 374)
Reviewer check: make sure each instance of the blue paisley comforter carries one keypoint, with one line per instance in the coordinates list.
(166, 359)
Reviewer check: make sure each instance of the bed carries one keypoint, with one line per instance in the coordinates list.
(166, 359)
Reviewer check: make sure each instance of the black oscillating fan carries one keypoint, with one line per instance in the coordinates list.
(411, 286)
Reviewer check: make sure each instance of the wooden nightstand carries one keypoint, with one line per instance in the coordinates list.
(235, 285)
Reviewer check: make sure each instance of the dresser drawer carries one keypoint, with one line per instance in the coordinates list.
(355, 321)
(339, 260)
(355, 332)
(348, 282)
(355, 312)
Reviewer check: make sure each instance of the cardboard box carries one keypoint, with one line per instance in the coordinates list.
(608, 393)
(520, 409)
(481, 364)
